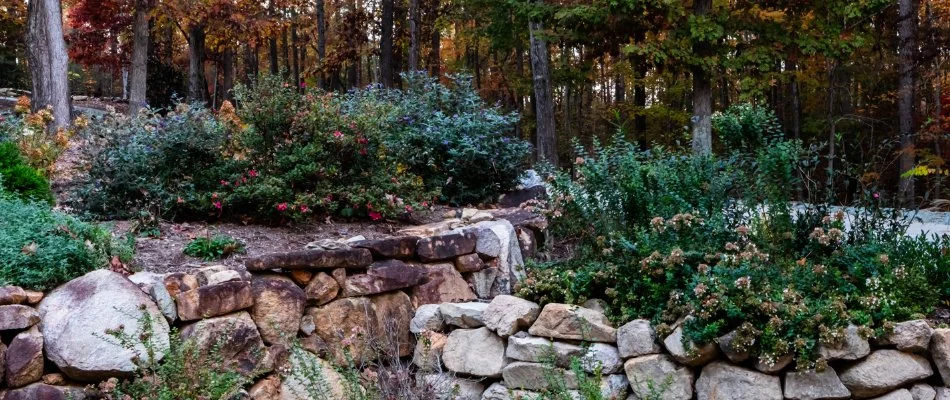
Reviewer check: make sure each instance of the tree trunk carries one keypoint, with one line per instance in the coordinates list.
(249, 62)
(795, 120)
(435, 52)
(544, 103)
(196, 51)
(386, 45)
(413, 35)
(46, 50)
(702, 91)
(138, 81)
(906, 89)
(272, 53)
(285, 48)
(228, 83)
(295, 55)
(321, 44)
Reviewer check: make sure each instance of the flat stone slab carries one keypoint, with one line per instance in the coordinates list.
(312, 259)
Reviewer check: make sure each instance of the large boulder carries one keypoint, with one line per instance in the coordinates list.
(76, 315)
(428, 317)
(637, 338)
(658, 374)
(446, 246)
(601, 357)
(443, 284)
(563, 321)
(238, 343)
(883, 371)
(16, 316)
(722, 381)
(913, 336)
(477, 352)
(813, 385)
(507, 315)
(310, 378)
(278, 306)
(351, 324)
(498, 240)
(214, 300)
(851, 347)
(383, 276)
(24, 358)
(391, 329)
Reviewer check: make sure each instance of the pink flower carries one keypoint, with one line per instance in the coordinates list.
(375, 216)
(224, 182)
(180, 200)
(303, 85)
(876, 195)
(425, 203)
(252, 173)
(304, 208)
(363, 152)
(217, 204)
(282, 207)
(337, 134)
(214, 196)
(408, 208)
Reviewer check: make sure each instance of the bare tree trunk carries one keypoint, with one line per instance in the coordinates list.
(272, 53)
(138, 81)
(49, 62)
(906, 89)
(702, 91)
(250, 61)
(196, 52)
(796, 102)
(227, 59)
(285, 48)
(435, 53)
(413, 35)
(321, 43)
(386, 45)
(295, 55)
(544, 102)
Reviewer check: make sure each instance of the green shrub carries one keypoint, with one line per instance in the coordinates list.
(665, 236)
(213, 248)
(746, 127)
(41, 248)
(19, 178)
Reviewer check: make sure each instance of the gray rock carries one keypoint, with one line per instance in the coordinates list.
(42, 391)
(506, 315)
(427, 317)
(463, 315)
(227, 275)
(603, 356)
(312, 378)
(657, 376)
(75, 316)
(902, 394)
(851, 347)
(637, 338)
(689, 354)
(722, 381)
(498, 239)
(923, 391)
(164, 301)
(477, 352)
(614, 387)
(563, 321)
(940, 353)
(235, 335)
(483, 281)
(812, 385)
(449, 387)
(883, 371)
(943, 393)
(912, 336)
(536, 376)
(524, 347)
(730, 346)
(15, 316)
(24, 358)
(773, 366)
(498, 391)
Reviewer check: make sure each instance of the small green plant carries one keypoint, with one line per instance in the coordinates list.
(213, 248)
(17, 177)
(183, 371)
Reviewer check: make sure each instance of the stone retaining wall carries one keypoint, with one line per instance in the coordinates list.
(511, 348)
(329, 297)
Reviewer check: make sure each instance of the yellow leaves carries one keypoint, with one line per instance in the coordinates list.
(772, 15)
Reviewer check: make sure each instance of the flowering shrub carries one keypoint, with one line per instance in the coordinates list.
(31, 132)
(663, 236)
